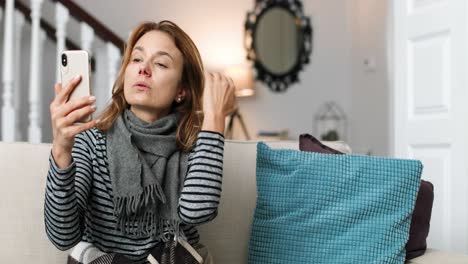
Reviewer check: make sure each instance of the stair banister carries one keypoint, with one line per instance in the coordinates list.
(8, 81)
(17, 90)
(34, 128)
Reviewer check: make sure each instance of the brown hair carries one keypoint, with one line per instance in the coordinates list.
(192, 81)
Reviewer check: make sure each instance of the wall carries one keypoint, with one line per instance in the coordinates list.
(344, 32)
(217, 28)
(325, 78)
(370, 114)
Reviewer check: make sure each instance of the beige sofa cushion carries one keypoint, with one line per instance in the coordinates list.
(433, 256)
(23, 239)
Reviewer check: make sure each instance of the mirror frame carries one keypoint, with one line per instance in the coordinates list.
(278, 82)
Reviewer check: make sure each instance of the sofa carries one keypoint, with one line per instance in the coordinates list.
(24, 168)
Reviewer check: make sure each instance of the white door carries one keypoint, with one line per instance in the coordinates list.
(429, 65)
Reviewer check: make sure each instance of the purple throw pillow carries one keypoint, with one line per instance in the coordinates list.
(420, 221)
(311, 144)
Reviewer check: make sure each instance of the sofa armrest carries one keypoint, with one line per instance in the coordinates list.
(433, 256)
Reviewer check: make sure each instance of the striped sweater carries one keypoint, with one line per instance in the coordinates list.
(79, 201)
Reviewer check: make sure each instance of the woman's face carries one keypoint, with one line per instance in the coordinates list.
(153, 75)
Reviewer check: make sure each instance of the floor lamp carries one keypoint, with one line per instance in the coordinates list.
(242, 77)
(229, 129)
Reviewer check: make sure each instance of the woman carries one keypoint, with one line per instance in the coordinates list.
(150, 169)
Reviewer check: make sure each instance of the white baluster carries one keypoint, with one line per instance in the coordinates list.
(8, 112)
(61, 18)
(87, 37)
(42, 39)
(34, 129)
(113, 56)
(19, 22)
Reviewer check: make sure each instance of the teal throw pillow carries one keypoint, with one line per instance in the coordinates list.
(327, 208)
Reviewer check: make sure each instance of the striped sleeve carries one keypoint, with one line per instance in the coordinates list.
(201, 193)
(65, 196)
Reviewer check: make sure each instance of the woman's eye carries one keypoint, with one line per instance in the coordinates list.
(136, 59)
(161, 65)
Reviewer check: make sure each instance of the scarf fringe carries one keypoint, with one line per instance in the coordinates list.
(150, 225)
(132, 220)
(132, 205)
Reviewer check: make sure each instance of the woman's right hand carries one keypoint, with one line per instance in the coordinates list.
(64, 114)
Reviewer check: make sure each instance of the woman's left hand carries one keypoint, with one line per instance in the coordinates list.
(219, 101)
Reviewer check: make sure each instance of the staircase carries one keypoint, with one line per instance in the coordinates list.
(33, 35)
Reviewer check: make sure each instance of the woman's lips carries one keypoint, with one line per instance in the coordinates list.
(142, 86)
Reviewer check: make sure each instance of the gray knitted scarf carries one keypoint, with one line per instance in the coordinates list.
(147, 172)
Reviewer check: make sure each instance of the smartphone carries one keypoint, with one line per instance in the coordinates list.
(73, 63)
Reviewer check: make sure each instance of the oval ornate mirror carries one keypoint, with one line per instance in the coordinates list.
(278, 39)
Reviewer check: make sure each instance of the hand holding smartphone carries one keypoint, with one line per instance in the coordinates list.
(72, 106)
(76, 63)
